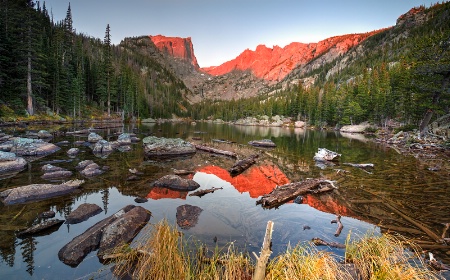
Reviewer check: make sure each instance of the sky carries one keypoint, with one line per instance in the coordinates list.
(221, 29)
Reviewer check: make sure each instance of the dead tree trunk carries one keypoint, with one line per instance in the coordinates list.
(242, 165)
(266, 251)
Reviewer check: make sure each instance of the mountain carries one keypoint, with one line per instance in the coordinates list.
(273, 64)
(176, 47)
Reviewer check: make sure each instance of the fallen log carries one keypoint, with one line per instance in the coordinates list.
(181, 172)
(360, 165)
(201, 193)
(320, 242)
(215, 151)
(242, 165)
(287, 192)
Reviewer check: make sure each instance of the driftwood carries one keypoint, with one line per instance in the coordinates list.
(215, 151)
(320, 242)
(360, 165)
(266, 251)
(201, 193)
(242, 165)
(290, 191)
(181, 172)
(340, 225)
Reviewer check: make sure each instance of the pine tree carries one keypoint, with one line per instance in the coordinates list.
(108, 66)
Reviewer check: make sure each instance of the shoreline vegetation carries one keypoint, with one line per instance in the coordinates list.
(179, 257)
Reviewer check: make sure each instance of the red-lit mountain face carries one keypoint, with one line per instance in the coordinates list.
(176, 47)
(273, 64)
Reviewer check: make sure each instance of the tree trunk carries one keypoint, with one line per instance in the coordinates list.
(29, 88)
(425, 121)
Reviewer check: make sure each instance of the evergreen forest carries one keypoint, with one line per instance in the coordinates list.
(47, 69)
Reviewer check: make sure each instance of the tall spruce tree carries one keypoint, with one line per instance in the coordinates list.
(108, 66)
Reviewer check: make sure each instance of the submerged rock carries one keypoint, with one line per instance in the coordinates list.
(83, 213)
(175, 182)
(73, 152)
(155, 147)
(47, 214)
(38, 192)
(187, 215)
(44, 134)
(124, 139)
(103, 147)
(55, 172)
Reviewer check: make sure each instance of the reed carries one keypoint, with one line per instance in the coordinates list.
(164, 254)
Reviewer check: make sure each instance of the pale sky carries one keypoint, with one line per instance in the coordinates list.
(222, 29)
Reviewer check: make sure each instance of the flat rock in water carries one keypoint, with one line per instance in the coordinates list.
(74, 252)
(38, 192)
(175, 182)
(57, 175)
(32, 147)
(123, 230)
(326, 155)
(44, 134)
(103, 147)
(187, 215)
(82, 164)
(9, 162)
(124, 139)
(155, 147)
(40, 227)
(82, 213)
(48, 168)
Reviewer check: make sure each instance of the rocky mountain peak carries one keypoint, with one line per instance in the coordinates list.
(273, 64)
(176, 47)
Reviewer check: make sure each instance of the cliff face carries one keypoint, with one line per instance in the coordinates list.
(176, 47)
(273, 64)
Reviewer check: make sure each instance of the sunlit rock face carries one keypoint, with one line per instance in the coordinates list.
(326, 203)
(176, 47)
(273, 64)
(257, 180)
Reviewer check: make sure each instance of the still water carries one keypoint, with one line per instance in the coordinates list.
(365, 199)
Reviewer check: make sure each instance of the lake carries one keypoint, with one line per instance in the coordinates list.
(399, 194)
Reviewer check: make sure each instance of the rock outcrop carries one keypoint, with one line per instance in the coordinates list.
(273, 64)
(82, 213)
(176, 47)
(155, 147)
(175, 182)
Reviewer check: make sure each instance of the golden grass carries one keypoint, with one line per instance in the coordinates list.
(164, 254)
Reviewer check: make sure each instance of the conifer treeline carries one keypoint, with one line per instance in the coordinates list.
(398, 77)
(46, 67)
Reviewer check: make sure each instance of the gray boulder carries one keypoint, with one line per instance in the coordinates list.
(82, 164)
(123, 230)
(73, 152)
(155, 147)
(48, 168)
(175, 182)
(55, 172)
(32, 147)
(9, 162)
(103, 147)
(83, 213)
(44, 134)
(74, 252)
(94, 137)
(38, 192)
(124, 139)
(91, 170)
(267, 143)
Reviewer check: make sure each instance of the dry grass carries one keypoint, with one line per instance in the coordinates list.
(164, 254)
(385, 257)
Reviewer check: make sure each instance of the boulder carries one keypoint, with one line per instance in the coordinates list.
(187, 215)
(9, 162)
(94, 137)
(123, 230)
(103, 147)
(74, 252)
(359, 128)
(155, 147)
(82, 164)
(91, 170)
(38, 192)
(47, 214)
(124, 139)
(73, 152)
(175, 182)
(299, 124)
(32, 147)
(149, 120)
(326, 155)
(40, 227)
(263, 143)
(48, 168)
(82, 213)
(44, 134)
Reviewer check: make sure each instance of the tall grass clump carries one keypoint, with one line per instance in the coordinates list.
(304, 261)
(386, 257)
(163, 253)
